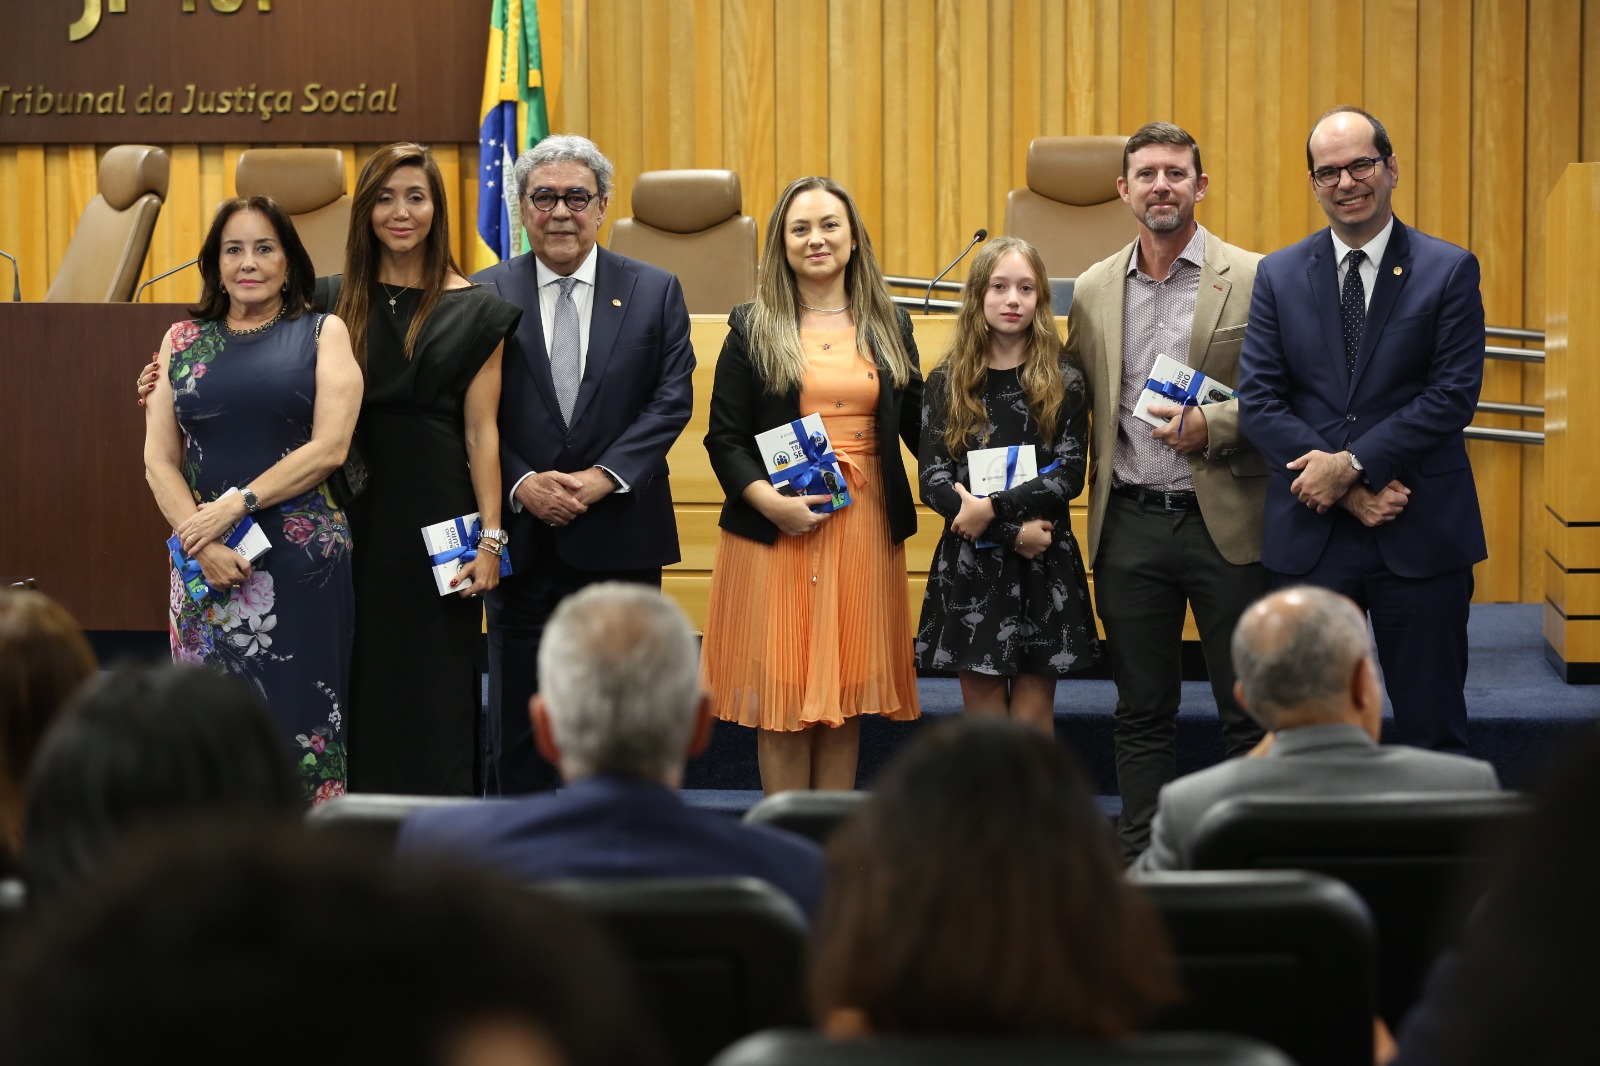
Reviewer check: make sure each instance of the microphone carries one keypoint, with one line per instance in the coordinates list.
(174, 270)
(981, 235)
(16, 279)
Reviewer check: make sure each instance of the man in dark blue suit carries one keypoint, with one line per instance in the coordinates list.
(1361, 365)
(620, 711)
(597, 388)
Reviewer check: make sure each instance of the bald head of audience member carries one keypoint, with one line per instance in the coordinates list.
(620, 693)
(1303, 656)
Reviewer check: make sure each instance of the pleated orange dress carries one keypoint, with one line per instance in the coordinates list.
(815, 629)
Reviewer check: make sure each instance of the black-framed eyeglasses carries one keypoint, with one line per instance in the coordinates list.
(1328, 177)
(575, 199)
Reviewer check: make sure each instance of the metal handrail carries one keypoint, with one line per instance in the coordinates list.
(915, 303)
(1521, 410)
(1513, 333)
(1515, 355)
(1508, 436)
(897, 281)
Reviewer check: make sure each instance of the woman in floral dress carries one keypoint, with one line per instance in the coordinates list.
(259, 395)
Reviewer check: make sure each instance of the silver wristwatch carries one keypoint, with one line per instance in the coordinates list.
(497, 535)
(251, 502)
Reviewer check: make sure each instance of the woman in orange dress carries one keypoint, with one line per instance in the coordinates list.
(808, 624)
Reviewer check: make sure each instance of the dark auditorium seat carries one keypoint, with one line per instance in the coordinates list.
(1412, 857)
(811, 814)
(715, 957)
(376, 817)
(1284, 956)
(802, 1048)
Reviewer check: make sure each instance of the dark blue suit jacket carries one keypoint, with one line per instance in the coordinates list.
(615, 827)
(635, 398)
(1418, 372)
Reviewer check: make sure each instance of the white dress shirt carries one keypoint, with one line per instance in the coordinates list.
(1369, 268)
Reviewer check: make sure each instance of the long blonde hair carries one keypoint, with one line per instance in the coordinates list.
(966, 363)
(361, 246)
(774, 327)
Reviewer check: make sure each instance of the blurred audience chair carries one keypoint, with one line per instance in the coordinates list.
(1412, 858)
(803, 1048)
(688, 222)
(1284, 956)
(1071, 210)
(715, 957)
(107, 250)
(309, 184)
(376, 817)
(814, 815)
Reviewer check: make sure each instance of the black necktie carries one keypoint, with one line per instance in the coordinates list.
(1353, 308)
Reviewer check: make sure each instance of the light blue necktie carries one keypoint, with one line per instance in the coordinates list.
(566, 351)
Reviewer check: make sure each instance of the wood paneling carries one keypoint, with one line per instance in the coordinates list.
(924, 109)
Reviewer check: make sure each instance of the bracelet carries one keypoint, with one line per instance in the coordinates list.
(491, 546)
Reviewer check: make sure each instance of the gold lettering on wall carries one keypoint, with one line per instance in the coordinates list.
(89, 21)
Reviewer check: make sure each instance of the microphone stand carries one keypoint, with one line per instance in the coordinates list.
(982, 234)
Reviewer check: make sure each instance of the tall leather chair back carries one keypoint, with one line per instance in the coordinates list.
(1070, 209)
(309, 184)
(107, 250)
(688, 222)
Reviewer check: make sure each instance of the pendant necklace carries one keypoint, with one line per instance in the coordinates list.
(393, 296)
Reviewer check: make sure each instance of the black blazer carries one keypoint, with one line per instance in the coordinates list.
(741, 407)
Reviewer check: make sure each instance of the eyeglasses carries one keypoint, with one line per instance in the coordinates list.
(1328, 177)
(575, 199)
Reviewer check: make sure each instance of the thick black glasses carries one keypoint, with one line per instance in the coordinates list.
(1328, 177)
(575, 199)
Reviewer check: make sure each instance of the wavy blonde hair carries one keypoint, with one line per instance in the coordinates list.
(966, 363)
(774, 327)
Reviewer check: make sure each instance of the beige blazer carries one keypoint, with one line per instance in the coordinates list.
(1230, 476)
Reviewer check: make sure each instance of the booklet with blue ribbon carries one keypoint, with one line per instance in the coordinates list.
(451, 545)
(1173, 382)
(246, 538)
(991, 470)
(800, 462)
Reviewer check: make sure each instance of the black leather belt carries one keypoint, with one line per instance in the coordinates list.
(1167, 501)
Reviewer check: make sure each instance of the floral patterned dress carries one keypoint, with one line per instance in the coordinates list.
(243, 402)
(989, 610)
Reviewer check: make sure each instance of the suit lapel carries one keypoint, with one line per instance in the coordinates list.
(1208, 304)
(613, 287)
(1322, 277)
(1393, 273)
(522, 289)
(1111, 322)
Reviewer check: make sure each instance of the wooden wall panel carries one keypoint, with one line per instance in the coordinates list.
(924, 109)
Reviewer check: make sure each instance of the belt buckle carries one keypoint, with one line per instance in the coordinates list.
(1173, 501)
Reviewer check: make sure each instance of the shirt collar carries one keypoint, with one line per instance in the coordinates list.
(1194, 253)
(585, 272)
(1374, 248)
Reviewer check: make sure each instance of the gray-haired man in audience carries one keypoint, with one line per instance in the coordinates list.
(620, 711)
(1305, 668)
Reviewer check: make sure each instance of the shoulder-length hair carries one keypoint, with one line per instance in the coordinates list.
(966, 363)
(361, 248)
(775, 319)
(300, 284)
(978, 891)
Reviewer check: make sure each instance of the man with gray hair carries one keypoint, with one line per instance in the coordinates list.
(597, 387)
(1305, 668)
(620, 712)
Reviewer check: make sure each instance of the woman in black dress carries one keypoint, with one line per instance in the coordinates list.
(430, 343)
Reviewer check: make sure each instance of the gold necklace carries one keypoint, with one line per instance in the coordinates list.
(256, 329)
(393, 296)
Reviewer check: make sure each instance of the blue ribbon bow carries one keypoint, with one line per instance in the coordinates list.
(189, 570)
(468, 550)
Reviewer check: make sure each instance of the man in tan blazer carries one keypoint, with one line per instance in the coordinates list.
(1174, 509)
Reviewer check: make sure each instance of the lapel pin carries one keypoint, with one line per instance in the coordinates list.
(1399, 270)
(618, 303)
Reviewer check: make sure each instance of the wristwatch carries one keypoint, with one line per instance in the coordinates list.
(499, 536)
(251, 502)
(1356, 463)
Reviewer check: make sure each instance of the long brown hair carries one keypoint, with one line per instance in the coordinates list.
(361, 245)
(977, 890)
(775, 349)
(300, 284)
(966, 364)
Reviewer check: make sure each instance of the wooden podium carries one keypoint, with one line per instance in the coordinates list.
(1572, 402)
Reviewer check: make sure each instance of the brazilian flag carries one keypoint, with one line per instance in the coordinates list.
(514, 120)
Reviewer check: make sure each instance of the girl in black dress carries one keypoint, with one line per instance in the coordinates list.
(1013, 617)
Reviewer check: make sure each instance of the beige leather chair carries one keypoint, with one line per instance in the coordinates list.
(309, 184)
(689, 222)
(107, 251)
(1070, 210)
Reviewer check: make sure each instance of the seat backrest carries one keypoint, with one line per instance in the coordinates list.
(1412, 857)
(309, 184)
(794, 1047)
(107, 251)
(715, 957)
(1284, 956)
(688, 222)
(375, 817)
(1070, 209)
(811, 814)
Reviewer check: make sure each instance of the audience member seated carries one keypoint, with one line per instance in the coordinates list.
(138, 748)
(1524, 988)
(238, 946)
(1305, 668)
(978, 891)
(44, 659)
(620, 713)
